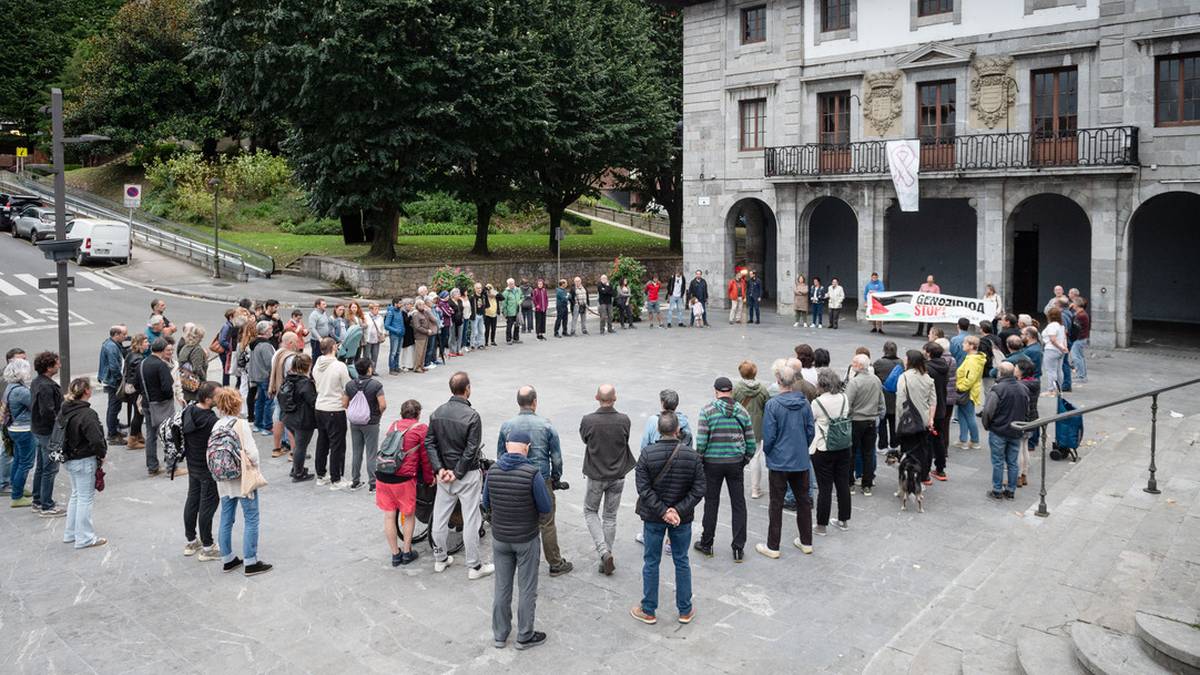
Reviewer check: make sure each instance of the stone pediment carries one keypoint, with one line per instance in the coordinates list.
(933, 54)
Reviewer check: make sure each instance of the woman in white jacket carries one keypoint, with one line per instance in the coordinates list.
(228, 404)
(837, 297)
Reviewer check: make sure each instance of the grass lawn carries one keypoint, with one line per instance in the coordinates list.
(605, 241)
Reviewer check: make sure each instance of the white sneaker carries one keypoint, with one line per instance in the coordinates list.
(796, 325)
(441, 565)
(322, 481)
(807, 550)
(764, 550)
(484, 570)
(637, 536)
(339, 485)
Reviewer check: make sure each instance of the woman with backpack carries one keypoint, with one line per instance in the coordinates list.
(230, 448)
(193, 361)
(84, 448)
(298, 408)
(830, 449)
(364, 403)
(402, 461)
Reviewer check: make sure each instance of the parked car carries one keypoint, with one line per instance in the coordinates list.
(101, 239)
(35, 223)
(11, 205)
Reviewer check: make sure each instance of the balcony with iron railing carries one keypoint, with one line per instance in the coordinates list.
(1076, 148)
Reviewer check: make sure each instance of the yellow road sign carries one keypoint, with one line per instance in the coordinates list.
(22, 152)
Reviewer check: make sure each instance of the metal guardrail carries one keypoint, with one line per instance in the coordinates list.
(1152, 394)
(175, 239)
(648, 222)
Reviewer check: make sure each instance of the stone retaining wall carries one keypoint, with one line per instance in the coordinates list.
(404, 278)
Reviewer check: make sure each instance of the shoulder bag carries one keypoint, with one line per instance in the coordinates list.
(661, 472)
(910, 422)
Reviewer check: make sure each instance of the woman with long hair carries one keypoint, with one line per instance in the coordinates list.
(193, 361)
(84, 447)
(800, 302)
(916, 388)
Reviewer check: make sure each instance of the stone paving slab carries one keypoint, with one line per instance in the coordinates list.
(334, 604)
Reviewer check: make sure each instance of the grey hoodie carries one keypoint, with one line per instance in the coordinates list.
(259, 368)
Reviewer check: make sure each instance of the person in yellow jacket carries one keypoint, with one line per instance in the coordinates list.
(970, 393)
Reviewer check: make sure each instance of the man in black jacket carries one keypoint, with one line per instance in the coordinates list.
(520, 502)
(453, 443)
(604, 298)
(670, 482)
(606, 460)
(201, 504)
(46, 400)
(1006, 402)
(698, 289)
(158, 396)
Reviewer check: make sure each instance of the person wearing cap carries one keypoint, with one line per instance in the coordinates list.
(516, 494)
(725, 442)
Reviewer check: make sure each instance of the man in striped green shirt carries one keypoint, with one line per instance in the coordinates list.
(725, 442)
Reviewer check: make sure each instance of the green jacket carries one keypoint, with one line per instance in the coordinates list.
(753, 396)
(725, 434)
(510, 304)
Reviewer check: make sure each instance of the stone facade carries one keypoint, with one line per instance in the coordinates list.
(989, 51)
(387, 281)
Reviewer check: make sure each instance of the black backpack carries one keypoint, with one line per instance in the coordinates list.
(287, 396)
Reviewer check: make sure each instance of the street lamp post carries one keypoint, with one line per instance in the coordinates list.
(215, 184)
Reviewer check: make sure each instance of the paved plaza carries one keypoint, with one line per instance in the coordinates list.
(334, 604)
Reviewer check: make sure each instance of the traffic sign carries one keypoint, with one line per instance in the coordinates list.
(133, 196)
(22, 152)
(52, 282)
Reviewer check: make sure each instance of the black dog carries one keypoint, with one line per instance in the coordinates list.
(909, 468)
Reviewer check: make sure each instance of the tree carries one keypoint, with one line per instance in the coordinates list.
(603, 104)
(360, 84)
(658, 170)
(136, 83)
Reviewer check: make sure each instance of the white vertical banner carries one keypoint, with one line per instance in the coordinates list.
(904, 161)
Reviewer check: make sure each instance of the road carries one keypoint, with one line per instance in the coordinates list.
(28, 316)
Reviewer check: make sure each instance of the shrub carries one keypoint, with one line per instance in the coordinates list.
(416, 229)
(440, 207)
(446, 278)
(197, 205)
(183, 170)
(145, 155)
(627, 267)
(324, 226)
(577, 221)
(258, 175)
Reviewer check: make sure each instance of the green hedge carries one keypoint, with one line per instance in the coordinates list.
(313, 227)
(415, 229)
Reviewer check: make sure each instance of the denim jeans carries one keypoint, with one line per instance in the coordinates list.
(477, 331)
(249, 530)
(44, 472)
(967, 424)
(818, 314)
(263, 408)
(78, 529)
(23, 454)
(1079, 359)
(431, 350)
(1005, 455)
(395, 343)
(753, 308)
(112, 426)
(5, 470)
(681, 539)
(675, 310)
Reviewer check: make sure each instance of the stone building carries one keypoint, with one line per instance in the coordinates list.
(1060, 144)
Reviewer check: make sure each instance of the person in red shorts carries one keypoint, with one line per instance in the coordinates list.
(396, 493)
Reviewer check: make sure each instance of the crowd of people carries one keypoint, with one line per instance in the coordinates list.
(816, 430)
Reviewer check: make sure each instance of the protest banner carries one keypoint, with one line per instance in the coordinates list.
(921, 307)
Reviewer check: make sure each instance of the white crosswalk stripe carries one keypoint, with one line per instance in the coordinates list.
(98, 280)
(8, 289)
(32, 281)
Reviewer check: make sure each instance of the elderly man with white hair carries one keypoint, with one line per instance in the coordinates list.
(864, 392)
(18, 375)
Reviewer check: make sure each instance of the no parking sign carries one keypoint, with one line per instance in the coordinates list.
(133, 196)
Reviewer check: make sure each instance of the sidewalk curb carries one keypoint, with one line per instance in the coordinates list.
(168, 289)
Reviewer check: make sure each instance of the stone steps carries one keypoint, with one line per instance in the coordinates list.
(1177, 639)
(1104, 651)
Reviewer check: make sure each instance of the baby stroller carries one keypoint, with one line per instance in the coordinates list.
(424, 515)
(1068, 434)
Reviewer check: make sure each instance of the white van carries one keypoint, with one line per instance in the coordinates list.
(101, 239)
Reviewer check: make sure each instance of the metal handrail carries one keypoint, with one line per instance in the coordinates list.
(1152, 394)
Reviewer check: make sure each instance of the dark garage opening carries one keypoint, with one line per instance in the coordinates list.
(833, 246)
(1052, 244)
(1164, 245)
(938, 239)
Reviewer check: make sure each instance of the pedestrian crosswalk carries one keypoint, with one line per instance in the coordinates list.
(29, 283)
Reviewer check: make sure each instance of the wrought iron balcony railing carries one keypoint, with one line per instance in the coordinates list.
(1105, 146)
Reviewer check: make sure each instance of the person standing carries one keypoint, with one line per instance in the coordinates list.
(606, 460)
(47, 399)
(579, 300)
(562, 302)
(226, 340)
(753, 396)
(873, 286)
(479, 306)
(676, 297)
(396, 493)
(725, 444)
(670, 482)
(454, 446)
(158, 397)
(110, 375)
(833, 465)
(883, 368)
(364, 438)
(604, 298)
(526, 306)
(930, 286)
(969, 383)
(331, 377)
(512, 310)
(193, 361)
(698, 291)
(800, 302)
(1083, 337)
(837, 297)
(296, 325)
(737, 297)
(393, 323)
(228, 403)
(84, 449)
(541, 303)
(956, 342)
(1007, 402)
(422, 328)
(668, 399)
(754, 296)
(545, 452)
(864, 395)
(131, 379)
(18, 401)
(490, 315)
(297, 401)
(653, 310)
(624, 303)
(1054, 337)
(320, 326)
(788, 430)
(259, 369)
(818, 295)
(201, 504)
(519, 501)
(916, 395)
(373, 334)
(940, 366)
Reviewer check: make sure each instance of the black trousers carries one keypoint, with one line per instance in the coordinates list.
(716, 475)
(300, 450)
(940, 446)
(917, 445)
(251, 397)
(560, 321)
(887, 432)
(331, 443)
(489, 330)
(834, 315)
(512, 329)
(201, 505)
(833, 473)
(863, 444)
(527, 320)
(539, 321)
(778, 483)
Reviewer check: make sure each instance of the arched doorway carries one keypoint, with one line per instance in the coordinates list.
(1050, 244)
(937, 239)
(833, 246)
(1163, 247)
(751, 224)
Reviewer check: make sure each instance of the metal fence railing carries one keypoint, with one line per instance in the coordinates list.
(647, 222)
(176, 239)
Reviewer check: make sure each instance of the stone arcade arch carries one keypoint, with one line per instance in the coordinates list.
(750, 231)
(1049, 241)
(832, 245)
(1164, 247)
